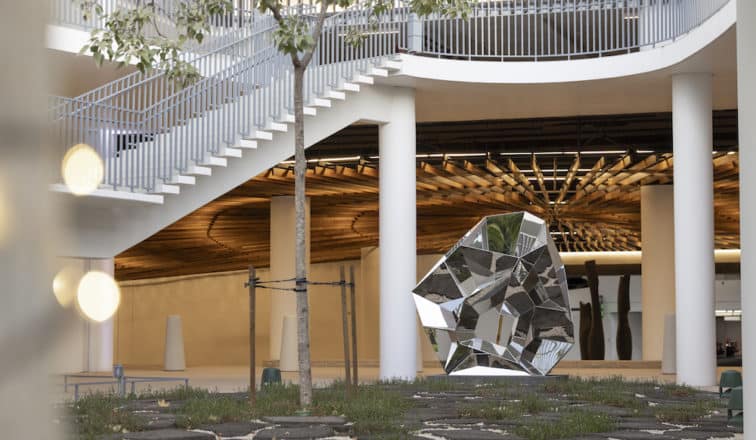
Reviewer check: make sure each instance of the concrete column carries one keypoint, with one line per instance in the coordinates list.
(694, 228)
(657, 266)
(282, 252)
(99, 335)
(398, 325)
(747, 133)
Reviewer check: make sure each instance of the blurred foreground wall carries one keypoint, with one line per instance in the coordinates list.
(28, 312)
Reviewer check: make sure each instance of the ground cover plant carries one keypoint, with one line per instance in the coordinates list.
(528, 409)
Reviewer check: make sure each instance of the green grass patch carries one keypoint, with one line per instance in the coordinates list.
(613, 391)
(683, 413)
(374, 409)
(178, 393)
(528, 404)
(97, 414)
(573, 424)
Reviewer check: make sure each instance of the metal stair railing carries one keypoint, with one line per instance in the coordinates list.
(149, 132)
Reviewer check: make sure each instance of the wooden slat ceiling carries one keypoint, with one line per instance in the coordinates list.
(590, 194)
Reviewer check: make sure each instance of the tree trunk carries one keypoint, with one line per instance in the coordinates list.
(585, 330)
(303, 318)
(624, 334)
(596, 336)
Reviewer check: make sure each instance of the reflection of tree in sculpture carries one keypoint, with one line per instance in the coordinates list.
(624, 334)
(585, 329)
(596, 335)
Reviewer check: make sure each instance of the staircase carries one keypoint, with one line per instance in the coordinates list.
(159, 142)
(155, 138)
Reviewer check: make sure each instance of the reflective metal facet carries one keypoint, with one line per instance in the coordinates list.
(497, 302)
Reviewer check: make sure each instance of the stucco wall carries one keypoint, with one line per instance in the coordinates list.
(214, 311)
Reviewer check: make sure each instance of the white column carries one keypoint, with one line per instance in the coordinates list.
(100, 335)
(282, 252)
(397, 209)
(747, 130)
(694, 228)
(657, 266)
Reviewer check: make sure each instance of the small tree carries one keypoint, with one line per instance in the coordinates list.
(125, 38)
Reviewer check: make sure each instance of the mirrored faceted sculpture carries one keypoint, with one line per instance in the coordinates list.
(497, 302)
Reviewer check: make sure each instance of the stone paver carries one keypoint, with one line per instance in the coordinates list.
(468, 434)
(162, 434)
(306, 420)
(234, 429)
(309, 432)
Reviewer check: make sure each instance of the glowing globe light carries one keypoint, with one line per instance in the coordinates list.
(98, 296)
(82, 169)
(65, 284)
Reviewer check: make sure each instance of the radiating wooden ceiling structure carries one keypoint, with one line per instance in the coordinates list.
(584, 178)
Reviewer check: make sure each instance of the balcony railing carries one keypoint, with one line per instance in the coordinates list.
(559, 29)
(149, 131)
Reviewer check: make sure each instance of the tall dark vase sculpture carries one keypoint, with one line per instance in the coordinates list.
(585, 330)
(624, 334)
(596, 335)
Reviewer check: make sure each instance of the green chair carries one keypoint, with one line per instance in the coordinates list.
(270, 376)
(729, 380)
(735, 405)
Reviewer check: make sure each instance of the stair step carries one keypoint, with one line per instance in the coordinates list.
(320, 102)
(197, 170)
(288, 119)
(277, 126)
(333, 94)
(350, 87)
(260, 135)
(181, 179)
(229, 152)
(364, 79)
(246, 143)
(213, 161)
(164, 188)
(377, 71)
(310, 111)
(391, 65)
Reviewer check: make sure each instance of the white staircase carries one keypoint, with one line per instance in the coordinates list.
(167, 151)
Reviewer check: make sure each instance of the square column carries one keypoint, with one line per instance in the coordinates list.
(397, 229)
(747, 133)
(694, 229)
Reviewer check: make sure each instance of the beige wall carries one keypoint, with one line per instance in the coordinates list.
(214, 312)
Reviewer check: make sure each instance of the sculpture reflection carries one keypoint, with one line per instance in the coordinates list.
(497, 302)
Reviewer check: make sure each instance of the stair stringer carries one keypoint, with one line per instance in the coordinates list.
(101, 227)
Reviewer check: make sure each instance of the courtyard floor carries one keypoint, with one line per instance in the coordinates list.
(433, 408)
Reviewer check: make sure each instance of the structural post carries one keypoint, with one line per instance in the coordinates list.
(397, 220)
(694, 228)
(415, 33)
(345, 329)
(747, 132)
(657, 266)
(355, 381)
(100, 335)
(282, 254)
(252, 284)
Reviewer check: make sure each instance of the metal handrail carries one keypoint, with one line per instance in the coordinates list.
(537, 30)
(149, 131)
